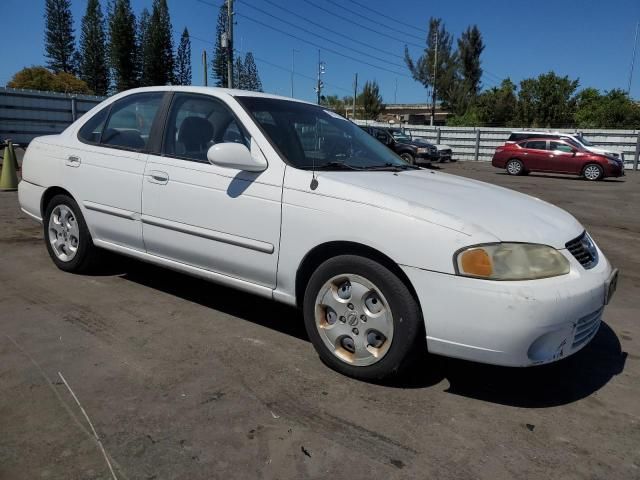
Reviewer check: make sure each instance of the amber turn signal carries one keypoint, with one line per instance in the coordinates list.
(476, 262)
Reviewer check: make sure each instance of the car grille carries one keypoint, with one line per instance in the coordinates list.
(445, 153)
(584, 250)
(586, 328)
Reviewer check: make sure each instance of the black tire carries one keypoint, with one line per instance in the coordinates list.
(408, 325)
(408, 158)
(514, 167)
(87, 254)
(592, 167)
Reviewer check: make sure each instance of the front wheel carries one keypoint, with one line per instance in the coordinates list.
(593, 172)
(361, 318)
(407, 157)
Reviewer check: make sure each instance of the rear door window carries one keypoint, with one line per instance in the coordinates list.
(536, 145)
(130, 121)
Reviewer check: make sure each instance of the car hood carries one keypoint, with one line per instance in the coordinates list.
(603, 151)
(416, 143)
(458, 203)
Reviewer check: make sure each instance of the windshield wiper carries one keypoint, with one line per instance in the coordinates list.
(333, 166)
(392, 167)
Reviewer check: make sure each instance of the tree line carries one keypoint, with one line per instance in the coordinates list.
(547, 101)
(119, 51)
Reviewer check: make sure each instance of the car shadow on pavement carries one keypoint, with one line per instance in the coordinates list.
(255, 309)
(560, 383)
(564, 177)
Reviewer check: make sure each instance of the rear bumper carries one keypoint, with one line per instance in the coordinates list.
(512, 323)
(30, 198)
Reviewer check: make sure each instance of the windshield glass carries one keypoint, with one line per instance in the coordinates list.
(584, 141)
(308, 135)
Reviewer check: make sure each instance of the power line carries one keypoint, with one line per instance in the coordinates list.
(388, 17)
(314, 44)
(275, 65)
(353, 22)
(360, 14)
(335, 32)
(244, 3)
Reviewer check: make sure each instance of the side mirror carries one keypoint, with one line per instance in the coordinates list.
(237, 156)
(574, 152)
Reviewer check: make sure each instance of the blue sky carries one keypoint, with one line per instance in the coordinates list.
(591, 40)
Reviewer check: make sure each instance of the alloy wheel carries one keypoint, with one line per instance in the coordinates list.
(64, 233)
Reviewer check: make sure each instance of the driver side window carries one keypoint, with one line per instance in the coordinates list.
(195, 123)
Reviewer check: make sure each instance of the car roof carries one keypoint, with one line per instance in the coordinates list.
(540, 133)
(233, 92)
(538, 139)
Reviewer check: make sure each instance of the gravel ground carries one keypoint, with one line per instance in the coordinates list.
(186, 379)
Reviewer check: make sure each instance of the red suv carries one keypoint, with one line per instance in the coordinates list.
(557, 156)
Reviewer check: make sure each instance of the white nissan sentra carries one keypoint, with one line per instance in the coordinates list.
(288, 200)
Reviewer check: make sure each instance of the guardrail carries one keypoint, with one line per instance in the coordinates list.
(479, 143)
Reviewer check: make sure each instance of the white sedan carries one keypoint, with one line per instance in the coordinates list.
(287, 200)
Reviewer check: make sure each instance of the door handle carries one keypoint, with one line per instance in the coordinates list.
(72, 161)
(156, 176)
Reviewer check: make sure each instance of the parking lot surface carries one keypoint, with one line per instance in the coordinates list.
(186, 379)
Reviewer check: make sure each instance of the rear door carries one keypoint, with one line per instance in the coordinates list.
(105, 167)
(535, 155)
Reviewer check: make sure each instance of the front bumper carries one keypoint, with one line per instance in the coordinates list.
(512, 323)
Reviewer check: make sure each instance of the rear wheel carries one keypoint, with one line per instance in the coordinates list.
(361, 318)
(67, 237)
(593, 172)
(515, 167)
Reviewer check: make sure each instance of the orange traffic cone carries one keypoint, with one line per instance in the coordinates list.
(8, 177)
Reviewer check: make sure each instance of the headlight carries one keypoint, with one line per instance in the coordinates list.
(423, 150)
(613, 161)
(511, 261)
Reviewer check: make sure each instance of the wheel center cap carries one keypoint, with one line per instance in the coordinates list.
(352, 318)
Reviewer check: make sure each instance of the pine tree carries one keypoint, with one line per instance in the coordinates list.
(470, 47)
(93, 66)
(239, 74)
(219, 60)
(445, 72)
(122, 45)
(59, 38)
(251, 72)
(371, 100)
(158, 48)
(141, 40)
(183, 60)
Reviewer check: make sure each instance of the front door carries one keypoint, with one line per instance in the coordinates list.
(219, 219)
(563, 158)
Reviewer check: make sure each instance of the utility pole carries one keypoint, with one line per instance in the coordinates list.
(395, 92)
(435, 76)
(293, 67)
(204, 66)
(319, 85)
(355, 95)
(633, 58)
(229, 43)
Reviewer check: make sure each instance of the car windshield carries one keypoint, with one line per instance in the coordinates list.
(584, 141)
(309, 136)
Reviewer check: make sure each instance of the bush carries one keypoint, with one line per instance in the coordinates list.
(39, 78)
